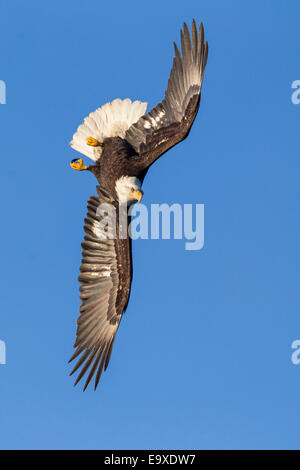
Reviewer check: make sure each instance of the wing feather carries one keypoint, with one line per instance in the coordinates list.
(103, 276)
(170, 121)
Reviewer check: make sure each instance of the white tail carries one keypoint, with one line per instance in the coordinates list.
(111, 120)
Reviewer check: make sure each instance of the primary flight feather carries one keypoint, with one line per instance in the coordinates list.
(123, 142)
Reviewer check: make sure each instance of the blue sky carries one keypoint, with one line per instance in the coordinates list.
(203, 354)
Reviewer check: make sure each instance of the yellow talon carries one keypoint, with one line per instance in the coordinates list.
(92, 142)
(77, 164)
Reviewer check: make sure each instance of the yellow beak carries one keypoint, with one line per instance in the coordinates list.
(137, 194)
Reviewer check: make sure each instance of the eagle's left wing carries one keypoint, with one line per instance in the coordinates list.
(170, 121)
(105, 277)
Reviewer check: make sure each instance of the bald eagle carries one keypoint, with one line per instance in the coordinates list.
(123, 142)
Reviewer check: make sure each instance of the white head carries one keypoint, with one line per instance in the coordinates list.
(128, 189)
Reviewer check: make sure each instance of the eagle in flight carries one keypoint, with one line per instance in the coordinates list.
(123, 142)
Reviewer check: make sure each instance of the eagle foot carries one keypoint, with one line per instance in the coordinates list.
(77, 164)
(93, 142)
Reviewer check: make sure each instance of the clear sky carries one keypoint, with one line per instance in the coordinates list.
(203, 355)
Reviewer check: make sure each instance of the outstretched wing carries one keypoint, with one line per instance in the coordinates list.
(105, 277)
(170, 121)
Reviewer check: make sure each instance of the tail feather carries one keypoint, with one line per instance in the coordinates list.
(111, 120)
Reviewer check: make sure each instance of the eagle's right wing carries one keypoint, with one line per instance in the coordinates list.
(171, 119)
